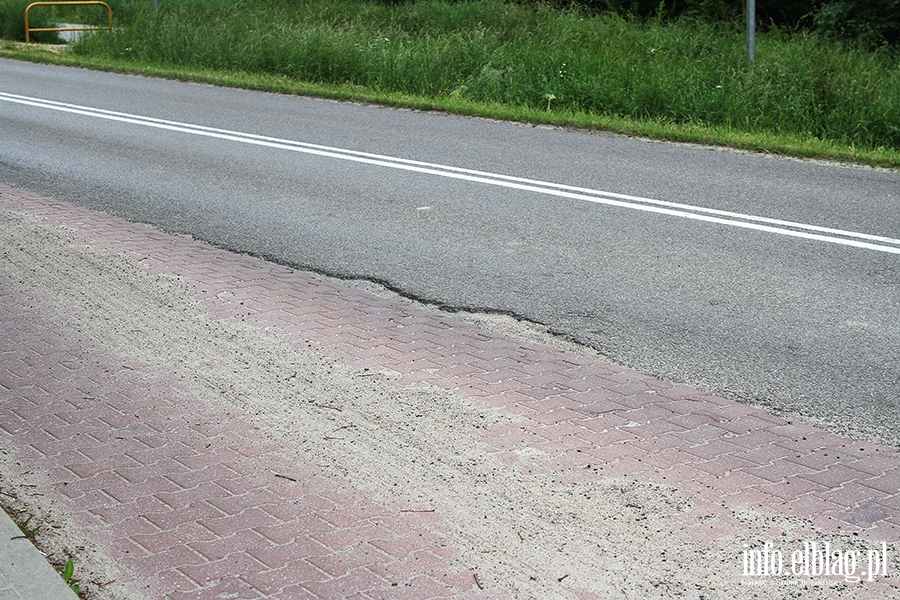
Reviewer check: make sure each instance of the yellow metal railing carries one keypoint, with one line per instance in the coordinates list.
(28, 29)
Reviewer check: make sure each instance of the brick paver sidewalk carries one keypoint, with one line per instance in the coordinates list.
(192, 501)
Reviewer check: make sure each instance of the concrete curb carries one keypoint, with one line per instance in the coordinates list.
(25, 573)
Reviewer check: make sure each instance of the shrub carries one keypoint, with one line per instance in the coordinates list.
(12, 22)
(872, 22)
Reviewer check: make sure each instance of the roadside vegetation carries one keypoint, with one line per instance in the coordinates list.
(29, 531)
(673, 74)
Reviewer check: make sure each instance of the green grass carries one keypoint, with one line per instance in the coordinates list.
(687, 81)
(12, 22)
(67, 571)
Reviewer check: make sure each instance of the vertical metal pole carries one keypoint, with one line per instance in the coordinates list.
(751, 32)
(155, 5)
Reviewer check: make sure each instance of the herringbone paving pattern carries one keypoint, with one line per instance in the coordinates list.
(194, 502)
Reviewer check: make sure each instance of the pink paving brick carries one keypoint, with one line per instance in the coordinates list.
(889, 482)
(114, 512)
(852, 494)
(274, 581)
(670, 457)
(340, 539)
(216, 521)
(345, 585)
(347, 561)
(702, 435)
(718, 448)
(207, 573)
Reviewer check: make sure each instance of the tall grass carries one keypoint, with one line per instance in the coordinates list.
(531, 56)
(12, 22)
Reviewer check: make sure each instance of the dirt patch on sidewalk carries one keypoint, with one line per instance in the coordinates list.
(528, 532)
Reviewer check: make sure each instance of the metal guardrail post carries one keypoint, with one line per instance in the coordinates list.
(751, 32)
(28, 29)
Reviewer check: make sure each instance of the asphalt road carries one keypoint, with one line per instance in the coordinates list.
(734, 305)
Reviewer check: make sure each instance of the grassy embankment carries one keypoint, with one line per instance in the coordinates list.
(683, 81)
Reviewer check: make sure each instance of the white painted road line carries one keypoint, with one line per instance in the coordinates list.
(710, 215)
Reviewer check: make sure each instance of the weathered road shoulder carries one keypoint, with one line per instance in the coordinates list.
(210, 425)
